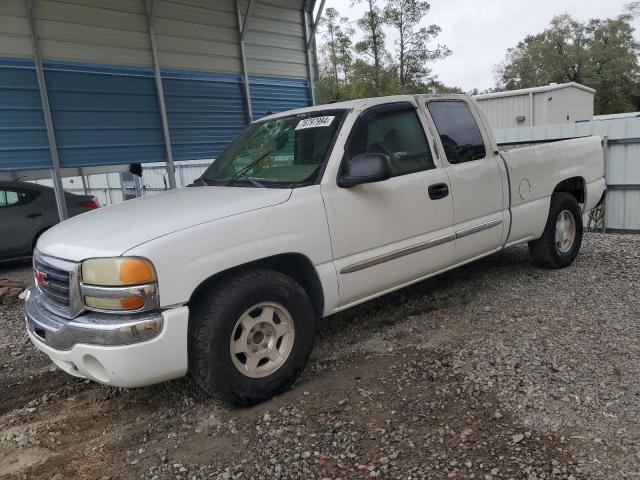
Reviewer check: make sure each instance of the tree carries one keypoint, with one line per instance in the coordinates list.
(413, 54)
(601, 54)
(337, 50)
(370, 70)
(556, 55)
(614, 70)
(372, 45)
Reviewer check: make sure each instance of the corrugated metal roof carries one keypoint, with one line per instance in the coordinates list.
(99, 73)
(616, 116)
(23, 137)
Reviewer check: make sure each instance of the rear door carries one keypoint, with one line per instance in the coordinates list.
(19, 220)
(389, 233)
(475, 175)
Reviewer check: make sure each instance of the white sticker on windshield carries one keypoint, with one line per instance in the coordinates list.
(315, 122)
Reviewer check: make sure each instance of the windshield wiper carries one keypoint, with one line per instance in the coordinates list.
(245, 169)
(255, 182)
(199, 181)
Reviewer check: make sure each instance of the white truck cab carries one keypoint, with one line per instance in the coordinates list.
(306, 213)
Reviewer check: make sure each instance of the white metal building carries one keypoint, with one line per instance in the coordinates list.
(553, 104)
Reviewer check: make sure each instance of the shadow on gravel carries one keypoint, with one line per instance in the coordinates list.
(424, 297)
(374, 398)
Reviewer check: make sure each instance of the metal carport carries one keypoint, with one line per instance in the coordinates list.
(110, 82)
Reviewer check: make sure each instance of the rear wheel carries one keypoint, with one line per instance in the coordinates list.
(562, 237)
(251, 337)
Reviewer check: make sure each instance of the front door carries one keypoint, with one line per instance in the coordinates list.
(390, 233)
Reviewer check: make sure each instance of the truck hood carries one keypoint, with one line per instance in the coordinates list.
(111, 231)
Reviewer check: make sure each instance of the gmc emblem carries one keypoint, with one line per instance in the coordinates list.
(41, 278)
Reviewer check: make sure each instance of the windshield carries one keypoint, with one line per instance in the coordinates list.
(283, 152)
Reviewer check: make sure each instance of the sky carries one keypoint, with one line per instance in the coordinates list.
(479, 32)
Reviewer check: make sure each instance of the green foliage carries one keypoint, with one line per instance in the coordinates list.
(412, 53)
(372, 46)
(337, 51)
(368, 69)
(602, 54)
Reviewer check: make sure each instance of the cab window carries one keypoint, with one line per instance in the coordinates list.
(395, 132)
(459, 133)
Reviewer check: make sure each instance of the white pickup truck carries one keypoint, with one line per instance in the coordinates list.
(305, 214)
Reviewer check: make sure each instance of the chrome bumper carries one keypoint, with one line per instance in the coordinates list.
(89, 328)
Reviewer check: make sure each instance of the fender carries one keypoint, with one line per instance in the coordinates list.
(187, 258)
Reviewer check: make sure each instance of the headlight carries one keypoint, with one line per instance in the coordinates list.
(118, 272)
(120, 284)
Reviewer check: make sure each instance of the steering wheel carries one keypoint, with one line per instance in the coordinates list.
(380, 148)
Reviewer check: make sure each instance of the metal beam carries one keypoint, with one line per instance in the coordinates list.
(48, 121)
(243, 28)
(84, 181)
(305, 24)
(171, 171)
(241, 31)
(315, 25)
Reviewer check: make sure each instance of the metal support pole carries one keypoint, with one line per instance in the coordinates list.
(48, 121)
(531, 119)
(150, 8)
(305, 24)
(181, 175)
(109, 188)
(137, 187)
(243, 28)
(605, 149)
(241, 31)
(84, 181)
(312, 36)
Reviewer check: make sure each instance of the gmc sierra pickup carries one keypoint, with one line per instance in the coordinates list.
(305, 214)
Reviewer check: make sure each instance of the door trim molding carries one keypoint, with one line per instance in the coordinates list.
(465, 232)
(387, 257)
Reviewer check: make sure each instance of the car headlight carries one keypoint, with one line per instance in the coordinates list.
(120, 284)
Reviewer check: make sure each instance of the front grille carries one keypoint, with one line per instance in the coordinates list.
(57, 285)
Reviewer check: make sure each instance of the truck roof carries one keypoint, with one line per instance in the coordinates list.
(363, 103)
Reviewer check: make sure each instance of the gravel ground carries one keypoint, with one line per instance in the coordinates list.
(494, 370)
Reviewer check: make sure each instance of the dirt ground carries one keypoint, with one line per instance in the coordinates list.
(495, 370)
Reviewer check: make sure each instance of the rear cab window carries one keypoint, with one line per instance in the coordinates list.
(459, 133)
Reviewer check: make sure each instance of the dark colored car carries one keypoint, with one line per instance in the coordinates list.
(27, 210)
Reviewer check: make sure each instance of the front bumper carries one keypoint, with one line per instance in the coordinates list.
(122, 351)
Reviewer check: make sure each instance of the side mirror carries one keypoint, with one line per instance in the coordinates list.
(364, 168)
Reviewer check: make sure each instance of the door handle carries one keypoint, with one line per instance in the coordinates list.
(34, 215)
(438, 191)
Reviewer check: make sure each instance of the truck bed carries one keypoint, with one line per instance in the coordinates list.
(534, 172)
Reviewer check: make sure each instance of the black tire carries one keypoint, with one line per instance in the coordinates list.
(213, 321)
(544, 251)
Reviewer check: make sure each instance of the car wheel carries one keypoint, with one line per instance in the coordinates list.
(251, 336)
(562, 237)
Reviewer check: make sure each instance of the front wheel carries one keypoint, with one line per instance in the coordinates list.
(250, 338)
(560, 242)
